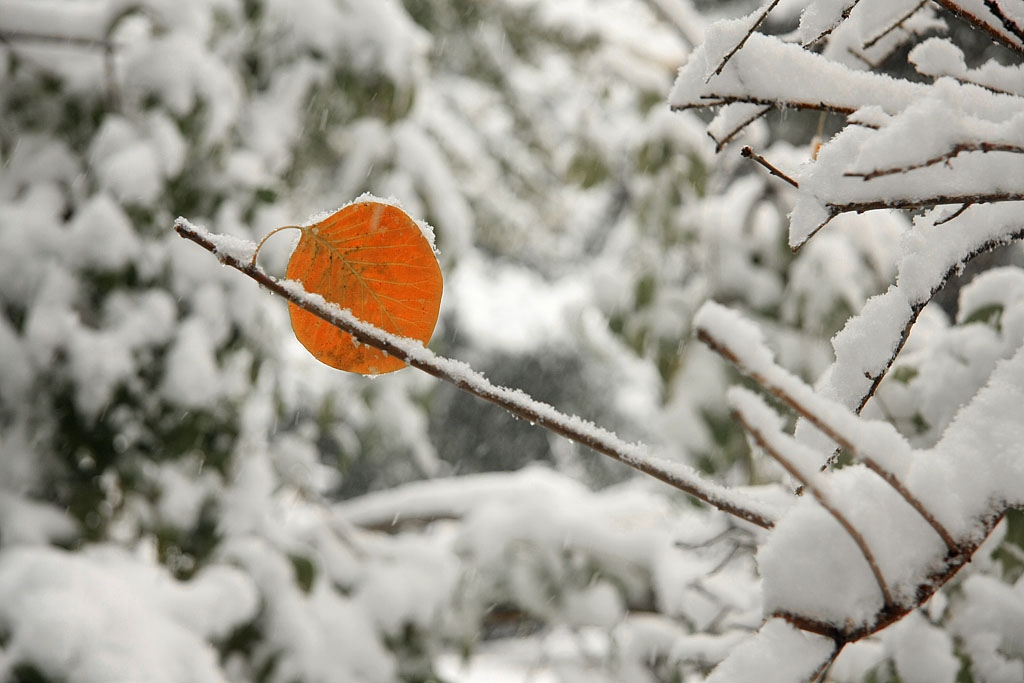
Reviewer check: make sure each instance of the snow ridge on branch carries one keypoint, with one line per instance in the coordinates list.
(238, 254)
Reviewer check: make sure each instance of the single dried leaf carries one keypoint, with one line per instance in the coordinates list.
(372, 259)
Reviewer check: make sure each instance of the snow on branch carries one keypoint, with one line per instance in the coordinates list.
(939, 245)
(881, 514)
(238, 254)
(991, 16)
(938, 57)
(875, 539)
(959, 144)
(764, 426)
(877, 444)
(769, 71)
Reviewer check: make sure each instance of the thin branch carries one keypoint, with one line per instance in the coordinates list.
(770, 448)
(820, 676)
(924, 202)
(725, 60)
(956, 214)
(917, 307)
(978, 22)
(713, 99)
(751, 154)
(720, 144)
(1008, 23)
(836, 435)
(874, 65)
(912, 204)
(519, 404)
(946, 157)
(843, 16)
(892, 27)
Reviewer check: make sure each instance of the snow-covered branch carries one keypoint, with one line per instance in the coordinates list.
(238, 254)
(989, 16)
(962, 526)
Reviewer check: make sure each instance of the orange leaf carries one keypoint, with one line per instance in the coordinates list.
(372, 259)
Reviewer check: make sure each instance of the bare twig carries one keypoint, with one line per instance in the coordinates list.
(978, 22)
(893, 26)
(760, 19)
(751, 154)
(910, 203)
(712, 99)
(765, 442)
(924, 202)
(945, 157)
(821, 674)
(1008, 23)
(917, 307)
(728, 137)
(843, 16)
(955, 214)
(517, 403)
(84, 42)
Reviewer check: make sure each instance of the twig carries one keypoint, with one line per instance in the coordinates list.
(1008, 23)
(836, 434)
(771, 449)
(844, 15)
(683, 478)
(924, 202)
(957, 150)
(751, 154)
(955, 214)
(106, 46)
(917, 307)
(712, 99)
(978, 22)
(913, 204)
(720, 144)
(725, 60)
(821, 674)
(892, 27)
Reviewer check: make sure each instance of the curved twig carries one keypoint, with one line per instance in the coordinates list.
(764, 15)
(814, 418)
(776, 454)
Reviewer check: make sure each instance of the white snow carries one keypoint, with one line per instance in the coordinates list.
(768, 70)
(60, 608)
(793, 655)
